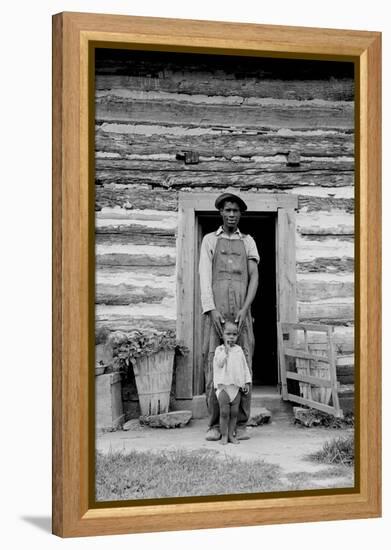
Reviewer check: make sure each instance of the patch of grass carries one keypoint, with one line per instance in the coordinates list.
(339, 450)
(139, 475)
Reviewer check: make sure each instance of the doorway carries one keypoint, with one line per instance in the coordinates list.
(262, 227)
(272, 223)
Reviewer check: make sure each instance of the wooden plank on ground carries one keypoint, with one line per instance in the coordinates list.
(313, 404)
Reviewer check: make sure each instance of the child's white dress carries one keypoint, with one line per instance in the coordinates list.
(230, 373)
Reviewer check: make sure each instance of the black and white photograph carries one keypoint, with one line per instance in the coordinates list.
(224, 275)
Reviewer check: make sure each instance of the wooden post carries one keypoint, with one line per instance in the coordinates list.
(286, 265)
(307, 364)
(286, 281)
(281, 361)
(198, 367)
(185, 301)
(333, 373)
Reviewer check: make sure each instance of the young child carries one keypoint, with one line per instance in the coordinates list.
(230, 376)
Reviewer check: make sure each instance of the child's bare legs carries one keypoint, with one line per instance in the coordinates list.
(228, 417)
(233, 419)
(224, 405)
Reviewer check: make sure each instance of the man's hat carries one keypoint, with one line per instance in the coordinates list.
(230, 197)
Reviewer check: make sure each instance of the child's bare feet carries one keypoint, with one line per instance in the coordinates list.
(224, 440)
(232, 439)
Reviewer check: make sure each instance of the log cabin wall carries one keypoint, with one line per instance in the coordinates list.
(242, 117)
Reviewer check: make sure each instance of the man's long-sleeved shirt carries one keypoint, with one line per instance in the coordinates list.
(208, 247)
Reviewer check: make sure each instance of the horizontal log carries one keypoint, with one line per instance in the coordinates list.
(299, 328)
(226, 145)
(332, 320)
(167, 310)
(134, 260)
(110, 195)
(127, 95)
(325, 312)
(326, 265)
(333, 222)
(127, 324)
(241, 165)
(136, 315)
(139, 272)
(244, 181)
(119, 226)
(122, 217)
(315, 204)
(325, 192)
(125, 294)
(130, 248)
(135, 234)
(223, 84)
(308, 291)
(125, 235)
(276, 114)
(145, 216)
(334, 248)
(122, 294)
(141, 197)
(322, 237)
(123, 275)
(143, 235)
(343, 337)
(179, 130)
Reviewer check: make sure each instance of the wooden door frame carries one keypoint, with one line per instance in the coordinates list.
(189, 205)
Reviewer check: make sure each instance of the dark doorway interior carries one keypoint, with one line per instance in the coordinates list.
(262, 227)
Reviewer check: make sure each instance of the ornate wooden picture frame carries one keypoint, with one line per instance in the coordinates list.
(75, 37)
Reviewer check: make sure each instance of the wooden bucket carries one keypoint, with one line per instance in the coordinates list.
(153, 376)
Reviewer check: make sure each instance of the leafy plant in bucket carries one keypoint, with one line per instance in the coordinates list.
(136, 344)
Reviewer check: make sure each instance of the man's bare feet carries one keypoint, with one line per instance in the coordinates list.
(224, 440)
(232, 439)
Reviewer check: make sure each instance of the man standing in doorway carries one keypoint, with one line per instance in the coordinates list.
(228, 280)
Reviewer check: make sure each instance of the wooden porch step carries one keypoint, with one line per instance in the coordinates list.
(270, 398)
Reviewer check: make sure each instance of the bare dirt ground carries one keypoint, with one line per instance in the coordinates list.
(280, 442)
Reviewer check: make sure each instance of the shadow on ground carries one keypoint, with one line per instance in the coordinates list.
(44, 523)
